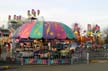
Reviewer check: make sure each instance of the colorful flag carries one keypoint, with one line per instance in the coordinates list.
(9, 17)
(15, 17)
(28, 14)
(38, 12)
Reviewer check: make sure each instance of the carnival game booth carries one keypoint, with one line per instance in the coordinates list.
(43, 42)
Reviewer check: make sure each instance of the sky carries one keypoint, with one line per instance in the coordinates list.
(67, 11)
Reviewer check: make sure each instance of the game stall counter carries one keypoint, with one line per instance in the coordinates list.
(40, 37)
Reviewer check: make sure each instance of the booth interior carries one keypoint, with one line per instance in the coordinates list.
(40, 51)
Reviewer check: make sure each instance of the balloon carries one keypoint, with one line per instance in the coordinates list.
(17, 40)
(76, 33)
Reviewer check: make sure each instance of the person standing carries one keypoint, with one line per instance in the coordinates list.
(0, 52)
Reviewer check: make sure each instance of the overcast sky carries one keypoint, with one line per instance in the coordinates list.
(66, 11)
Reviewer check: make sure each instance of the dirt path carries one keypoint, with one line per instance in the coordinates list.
(75, 67)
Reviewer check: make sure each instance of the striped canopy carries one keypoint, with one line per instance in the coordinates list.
(45, 30)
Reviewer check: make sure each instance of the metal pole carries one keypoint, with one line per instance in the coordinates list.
(71, 58)
(22, 61)
(87, 58)
(49, 45)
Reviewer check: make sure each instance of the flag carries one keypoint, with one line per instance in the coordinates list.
(20, 17)
(28, 14)
(9, 17)
(75, 27)
(15, 17)
(33, 13)
(38, 12)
